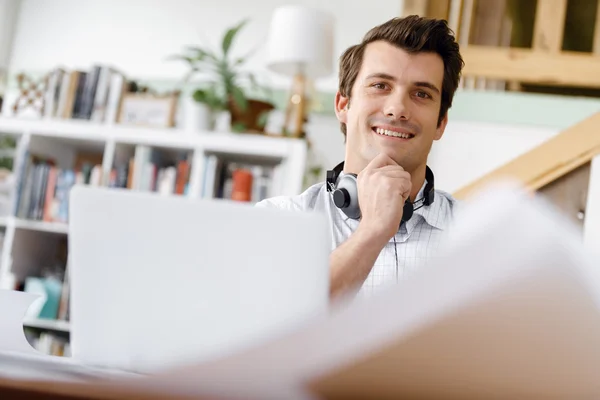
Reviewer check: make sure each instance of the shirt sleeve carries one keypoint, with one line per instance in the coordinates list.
(280, 202)
(302, 202)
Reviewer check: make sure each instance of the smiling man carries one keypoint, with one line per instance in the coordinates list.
(387, 218)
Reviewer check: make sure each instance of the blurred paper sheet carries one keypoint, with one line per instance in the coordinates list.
(18, 360)
(508, 310)
(13, 306)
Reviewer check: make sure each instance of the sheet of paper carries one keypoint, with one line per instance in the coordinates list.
(509, 309)
(13, 306)
(18, 360)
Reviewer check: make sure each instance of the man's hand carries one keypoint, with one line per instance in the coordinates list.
(383, 187)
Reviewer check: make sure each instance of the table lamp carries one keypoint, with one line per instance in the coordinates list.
(300, 45)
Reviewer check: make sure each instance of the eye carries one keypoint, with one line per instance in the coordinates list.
(379, 85)
(423, 95)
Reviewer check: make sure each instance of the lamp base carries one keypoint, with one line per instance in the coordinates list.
(295, 115)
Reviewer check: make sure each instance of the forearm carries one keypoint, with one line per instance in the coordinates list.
(352, 261)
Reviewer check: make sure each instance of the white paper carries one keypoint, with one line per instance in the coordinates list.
(510, 309)
(19, 360)
(13, 307)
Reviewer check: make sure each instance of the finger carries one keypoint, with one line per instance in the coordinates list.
(396, 176)
(396, 167)
(402, 183)
(404, 187)
(381, 160)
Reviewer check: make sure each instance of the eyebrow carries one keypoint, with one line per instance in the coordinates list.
(424, 84)
(428, 85)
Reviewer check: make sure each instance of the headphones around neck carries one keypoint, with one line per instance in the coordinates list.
(345, 193)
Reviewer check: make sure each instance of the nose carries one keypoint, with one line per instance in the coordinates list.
(396, 106)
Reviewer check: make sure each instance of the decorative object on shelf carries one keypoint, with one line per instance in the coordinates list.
(300, 45)
(149, 109)
(253, 118)
(196, 116)
(223, 91)
(31, 101)
(8, 146)
(242, 185)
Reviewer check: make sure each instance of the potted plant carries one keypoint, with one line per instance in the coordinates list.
(222, 90)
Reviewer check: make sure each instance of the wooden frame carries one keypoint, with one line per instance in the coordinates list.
(544, 63)
(148, 110)
(532, 66)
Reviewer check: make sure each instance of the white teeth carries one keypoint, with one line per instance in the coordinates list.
(382, 131)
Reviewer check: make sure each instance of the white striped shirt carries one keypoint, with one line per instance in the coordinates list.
(414, 243)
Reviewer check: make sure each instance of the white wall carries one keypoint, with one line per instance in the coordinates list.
(137, 35)
(591, 228)
(469, 150)
(8, 19)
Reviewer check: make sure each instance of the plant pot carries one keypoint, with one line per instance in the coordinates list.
(251, 117)
(197, 117)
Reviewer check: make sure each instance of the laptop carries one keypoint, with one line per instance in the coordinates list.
(158, 281)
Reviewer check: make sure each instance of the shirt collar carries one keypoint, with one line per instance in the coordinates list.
(432, 214)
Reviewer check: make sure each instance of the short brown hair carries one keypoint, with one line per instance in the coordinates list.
(413, 34)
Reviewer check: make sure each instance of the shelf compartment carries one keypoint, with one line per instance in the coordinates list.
(49, 168)
(34, 250)
(258, 177)
(165, 170)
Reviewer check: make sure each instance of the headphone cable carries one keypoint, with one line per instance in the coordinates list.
(396, 254)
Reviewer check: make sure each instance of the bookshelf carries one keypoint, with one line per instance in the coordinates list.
(34, 235)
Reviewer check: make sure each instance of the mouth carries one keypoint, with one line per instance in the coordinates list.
(392, 133)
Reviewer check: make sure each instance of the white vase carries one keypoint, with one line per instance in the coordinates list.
(222, 121)
(197, 116)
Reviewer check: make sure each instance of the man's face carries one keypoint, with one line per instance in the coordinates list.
(393, 108)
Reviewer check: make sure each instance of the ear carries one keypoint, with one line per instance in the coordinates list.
(439, 132)
(341, 107)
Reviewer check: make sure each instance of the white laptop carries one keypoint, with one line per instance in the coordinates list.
(158, 281)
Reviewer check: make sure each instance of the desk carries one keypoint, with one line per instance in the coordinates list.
(19, 366)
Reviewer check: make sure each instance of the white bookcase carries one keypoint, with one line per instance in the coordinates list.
(26, 243)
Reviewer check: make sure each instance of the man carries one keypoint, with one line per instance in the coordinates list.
(395, 89)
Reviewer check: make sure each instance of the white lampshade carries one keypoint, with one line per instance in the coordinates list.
(300, 40)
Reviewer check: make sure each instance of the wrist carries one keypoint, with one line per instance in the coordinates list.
(374, 235)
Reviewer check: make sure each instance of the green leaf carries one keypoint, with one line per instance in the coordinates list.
(263, 118)
(209, 97)
(230, 35)
(202, 54)
(238, 127)
(239, 97)
(199, 96)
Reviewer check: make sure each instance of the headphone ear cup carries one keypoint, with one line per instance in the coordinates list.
(407, 211)
(345, 196)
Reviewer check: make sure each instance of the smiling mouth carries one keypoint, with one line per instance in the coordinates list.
(400, 135)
